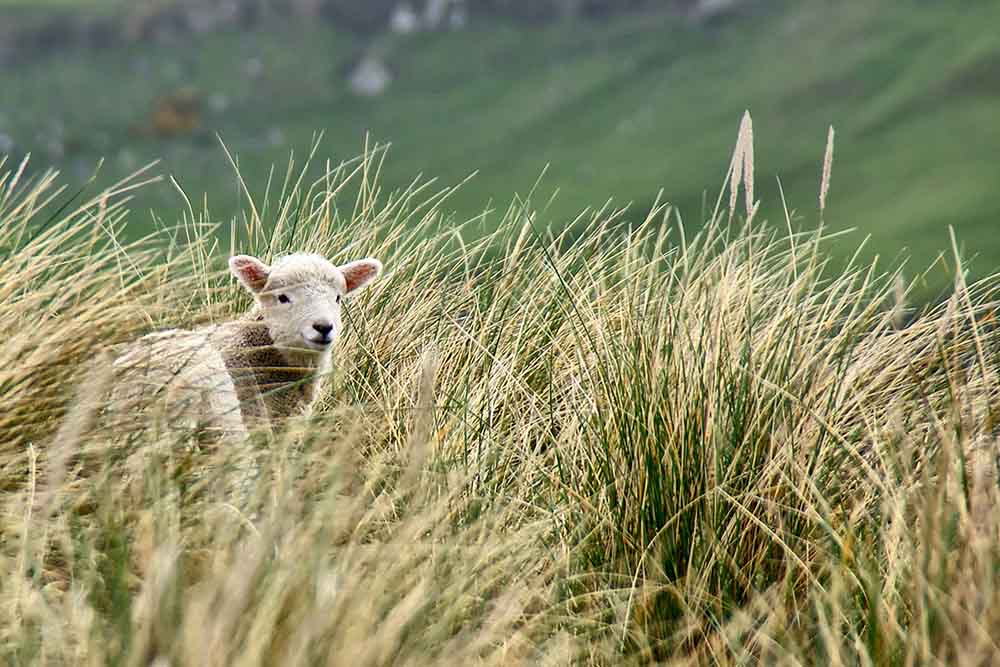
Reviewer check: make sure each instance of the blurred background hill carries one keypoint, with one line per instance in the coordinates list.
(621, 98)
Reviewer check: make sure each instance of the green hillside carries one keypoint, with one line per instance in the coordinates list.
(649, 103)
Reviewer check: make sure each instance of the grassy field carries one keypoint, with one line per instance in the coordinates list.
(721, 442)
(620, 110)
(630, 449)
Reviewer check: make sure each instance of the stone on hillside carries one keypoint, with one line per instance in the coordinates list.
(404, 20)
(370, 78)
(451, 14)
(435, 13)
(218, 103)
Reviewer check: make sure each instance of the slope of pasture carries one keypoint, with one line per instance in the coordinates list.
(619, 110)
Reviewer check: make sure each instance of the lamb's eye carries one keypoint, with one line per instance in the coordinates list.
(283, 299)
(338, 298)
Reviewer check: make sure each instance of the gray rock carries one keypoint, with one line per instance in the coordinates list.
(370, 78)
(218, 102)
(404, 20)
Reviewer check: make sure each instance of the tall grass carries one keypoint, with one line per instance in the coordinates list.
(629, 444)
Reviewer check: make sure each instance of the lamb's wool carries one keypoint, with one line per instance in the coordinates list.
(184, 375)
(272, 384)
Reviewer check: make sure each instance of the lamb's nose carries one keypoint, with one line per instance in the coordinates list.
(324, 328)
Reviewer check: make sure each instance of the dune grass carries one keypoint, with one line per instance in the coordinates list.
(633, 445)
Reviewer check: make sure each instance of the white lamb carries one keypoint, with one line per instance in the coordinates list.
(256, 371)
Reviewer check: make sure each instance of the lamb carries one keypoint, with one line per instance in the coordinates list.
(258, 371)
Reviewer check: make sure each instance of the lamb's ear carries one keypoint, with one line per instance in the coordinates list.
(250, 271)
(360, 272)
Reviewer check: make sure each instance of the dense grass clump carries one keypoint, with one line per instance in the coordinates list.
(622, 445)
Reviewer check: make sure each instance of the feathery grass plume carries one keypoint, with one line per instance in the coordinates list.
(532, 451)
(824, 184)
(899, 309)
(742, 157)
(746, 137)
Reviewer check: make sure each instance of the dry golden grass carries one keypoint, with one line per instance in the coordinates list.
(624, 446)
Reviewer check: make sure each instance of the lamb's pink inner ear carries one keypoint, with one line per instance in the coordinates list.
(250, 271)
(361, 272)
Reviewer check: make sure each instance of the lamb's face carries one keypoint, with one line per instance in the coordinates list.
(302, 308)
(300, 295)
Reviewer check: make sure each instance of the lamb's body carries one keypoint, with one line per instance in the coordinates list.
(181, 378)
(257, 371)
(224, 379)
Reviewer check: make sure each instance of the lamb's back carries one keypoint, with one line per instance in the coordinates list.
(182, 376)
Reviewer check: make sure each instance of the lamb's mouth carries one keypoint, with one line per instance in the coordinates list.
(318, 343)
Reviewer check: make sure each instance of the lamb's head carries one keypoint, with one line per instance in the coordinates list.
(299, 295)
